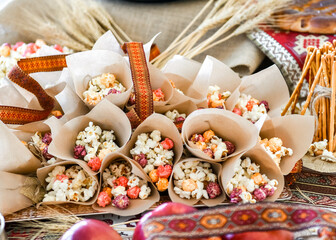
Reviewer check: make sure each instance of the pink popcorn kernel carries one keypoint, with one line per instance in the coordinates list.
(265, 104)
(213, 190)
(47, 138)
(121, 201)
(209, 152)
(94, 164)
(234, 196)
(79, 152)
(259, 194)
(230, 147)
(17, 45)
(113, 91)
(131, 100)
(268, 190)
(58, 48)
(141, 159)
(61, 177)
(46, 154)
(197, 138)
(167, 144)
(104, 199)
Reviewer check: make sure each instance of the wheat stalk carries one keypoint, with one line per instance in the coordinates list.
(229, 17)
(76, 24)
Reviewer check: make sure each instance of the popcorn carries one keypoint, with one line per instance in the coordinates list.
(69, 184)
(42, 143)
(101, 86)
(153, 154)
(216, 99)
(248, 185)
(191, 180)
(158, 95)
(212, 145)
(93, 144)
(320, 149)
(250, 108)
(121, 185)
(11, 54)
(275, 149)
(173, 85)
(176, 117)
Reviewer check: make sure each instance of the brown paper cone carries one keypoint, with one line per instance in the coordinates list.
(11, 198)
(10, 96)
(190, 77)
(295, 131)
(106, 115)
(136, 205)
(226, 125)
(268, 85)
(267, 166)
(84, 66)
(167, 129)
(15, 156)
(42, 174)
(159, 80)
(217, 169)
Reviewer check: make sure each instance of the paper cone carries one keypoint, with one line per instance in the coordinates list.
(15, 156)
(42, 174)
(136, 205)
(106, 115)
(84, 66)
(267, 166)
(13, 188)
(190, 77)
(10, 96)
(167, 129)
(226, 125)
(268, 85)
(295, 131)
(217, 169)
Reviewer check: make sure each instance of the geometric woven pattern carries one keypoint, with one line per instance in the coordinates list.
(20, 75)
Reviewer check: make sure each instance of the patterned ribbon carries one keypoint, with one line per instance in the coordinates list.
(141, 82)
(218, 222)
(20, 75)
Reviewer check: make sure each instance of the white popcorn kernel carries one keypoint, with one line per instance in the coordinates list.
(119, 190)
(181, 193)
(178, 173)
(133, 181)
(144, 192)
(156, 135)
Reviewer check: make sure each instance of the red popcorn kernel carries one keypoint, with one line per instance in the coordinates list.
(31, 48)
(158, 95)
(213, 190)
(94, 164)
(265, 104)
(197, 138)
(121, 181)
(121, 201)
(209, 152)
(237, 111)
(133, 192)
(104, 199)
(79, 152)
(250, 105)
(179, 122)
(230, 147)
(58, 48)
(47, 138)
(164, 171)
(61, 177)
(167, 144)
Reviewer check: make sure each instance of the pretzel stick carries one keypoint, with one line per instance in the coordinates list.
(324, 112)
(332, 107)
(299, 86)
(294, 103)
(325, 72)
(311, 91)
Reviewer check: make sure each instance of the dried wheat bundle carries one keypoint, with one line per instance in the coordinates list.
(76, 24)
(229, 17)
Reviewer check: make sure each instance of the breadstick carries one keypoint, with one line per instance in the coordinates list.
(299, 85)
(332, 107)
(311, 91)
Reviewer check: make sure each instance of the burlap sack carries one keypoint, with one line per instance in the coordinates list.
(267, 166)
(18, 192)
(106, 115)
(42, 174)
(136, 205)
(295, 131)
(217, 169)
(226, 125)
